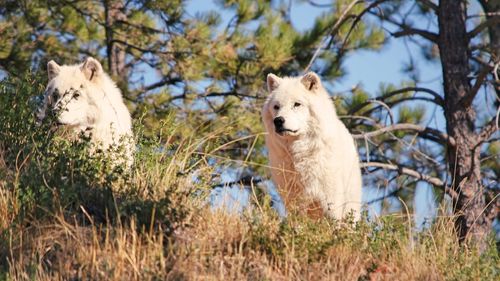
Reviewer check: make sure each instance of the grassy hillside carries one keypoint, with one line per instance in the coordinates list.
(66, 216)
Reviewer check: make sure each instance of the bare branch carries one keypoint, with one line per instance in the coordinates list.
(408, 31)
(161, 83)
(246, 181)
(437, 98)
(423, 131)
(469, 97)
(233, 93)
(412, 173)
(215, 94)
(485, 24)
(430, 4)
(396, 102)
(318, 5)
(490, 128)
(387, 107)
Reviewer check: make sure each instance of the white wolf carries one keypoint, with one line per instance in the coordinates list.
(84, 99)
(311, 152)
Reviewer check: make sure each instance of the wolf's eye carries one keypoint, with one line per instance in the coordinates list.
(276, 107)
(76, 95)
(297, 104)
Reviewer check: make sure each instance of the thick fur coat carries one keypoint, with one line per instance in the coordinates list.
(311, 153)
(84, 99)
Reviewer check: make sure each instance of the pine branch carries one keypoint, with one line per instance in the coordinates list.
(469, 97)
(144, 50)
(430, 4)
(432, 133)
(408, 31)
(161, 83)
(437, 98)
(356, 20)
(412, 173)
(332, 32)
(485, 24)
(395, 102)
(489, 129)
(216, 94)
(319, 5)
(83, 13)
(227, 94)
(140, 26)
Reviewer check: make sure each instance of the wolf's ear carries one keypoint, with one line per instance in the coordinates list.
(52, 69)
(311, 81)
(273, 82)
(91, 68)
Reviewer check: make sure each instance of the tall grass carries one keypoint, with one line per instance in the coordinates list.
(67, 216)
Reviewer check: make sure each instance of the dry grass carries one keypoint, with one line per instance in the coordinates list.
(218, 246)
(184, 240)
(63, 217)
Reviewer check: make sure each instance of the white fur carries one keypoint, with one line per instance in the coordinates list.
(315, 156)
(85, 99)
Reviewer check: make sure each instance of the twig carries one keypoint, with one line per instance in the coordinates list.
(357, 19)
(384, 105)
(430, 4)
(312, 3)
(332, 32)
(495, 72)
(469, 97)
(437, 98)
(487, 23)
(161, 83)
(490, 128)
(406, 171)
(408, 31)
(408, 127)
(245, 181)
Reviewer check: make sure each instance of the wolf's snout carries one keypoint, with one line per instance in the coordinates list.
(278, 122)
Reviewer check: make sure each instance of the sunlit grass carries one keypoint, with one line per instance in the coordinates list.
(65, 215)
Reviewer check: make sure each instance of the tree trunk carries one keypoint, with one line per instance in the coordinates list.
(113, 10)
(472, 223)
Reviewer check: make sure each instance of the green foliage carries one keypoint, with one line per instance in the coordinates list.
(411, 115)
(50, 173)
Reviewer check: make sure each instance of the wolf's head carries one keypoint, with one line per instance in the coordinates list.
(68, 95)
(290, 108)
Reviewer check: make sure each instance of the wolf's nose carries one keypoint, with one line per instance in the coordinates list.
(278, 122)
